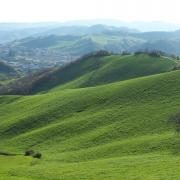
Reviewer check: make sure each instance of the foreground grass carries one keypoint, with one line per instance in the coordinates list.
(114, 131)
(9, 163)
(148, 166)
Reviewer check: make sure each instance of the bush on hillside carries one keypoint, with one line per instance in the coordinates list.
(97, 54)
(37, 155)
(29, 153)
(33, 154)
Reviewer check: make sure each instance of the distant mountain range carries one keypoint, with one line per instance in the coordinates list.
(57, 45)
(12, 31)
(141, 26)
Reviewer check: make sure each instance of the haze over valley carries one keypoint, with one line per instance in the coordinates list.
(45, 46)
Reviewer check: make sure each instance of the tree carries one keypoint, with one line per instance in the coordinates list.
(33, 154)
(37, 155)
(29, 153)
(101, 53)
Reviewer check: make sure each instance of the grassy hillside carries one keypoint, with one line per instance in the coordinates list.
(113, 131)
(92, 71)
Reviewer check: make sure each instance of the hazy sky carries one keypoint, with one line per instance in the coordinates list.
(65, 10)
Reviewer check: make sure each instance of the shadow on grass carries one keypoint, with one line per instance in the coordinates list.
(7, 154)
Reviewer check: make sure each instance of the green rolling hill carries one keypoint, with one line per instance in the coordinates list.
(91, 70)
(115, 127)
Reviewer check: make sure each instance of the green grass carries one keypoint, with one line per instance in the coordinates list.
(97, 71)
(118, 130)
(149, 166)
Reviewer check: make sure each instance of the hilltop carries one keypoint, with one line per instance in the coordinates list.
(92, 70)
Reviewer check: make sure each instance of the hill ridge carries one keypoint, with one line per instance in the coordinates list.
(91, 71)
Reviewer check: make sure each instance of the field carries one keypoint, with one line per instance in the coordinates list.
(131, 167)
(118, 129)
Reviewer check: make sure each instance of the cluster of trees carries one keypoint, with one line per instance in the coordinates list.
(156, 53)
(153, 53)
(97, 54)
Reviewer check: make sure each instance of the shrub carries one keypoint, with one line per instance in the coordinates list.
(29, 153)
(37, 155)
(99, 53)
(33, 154)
